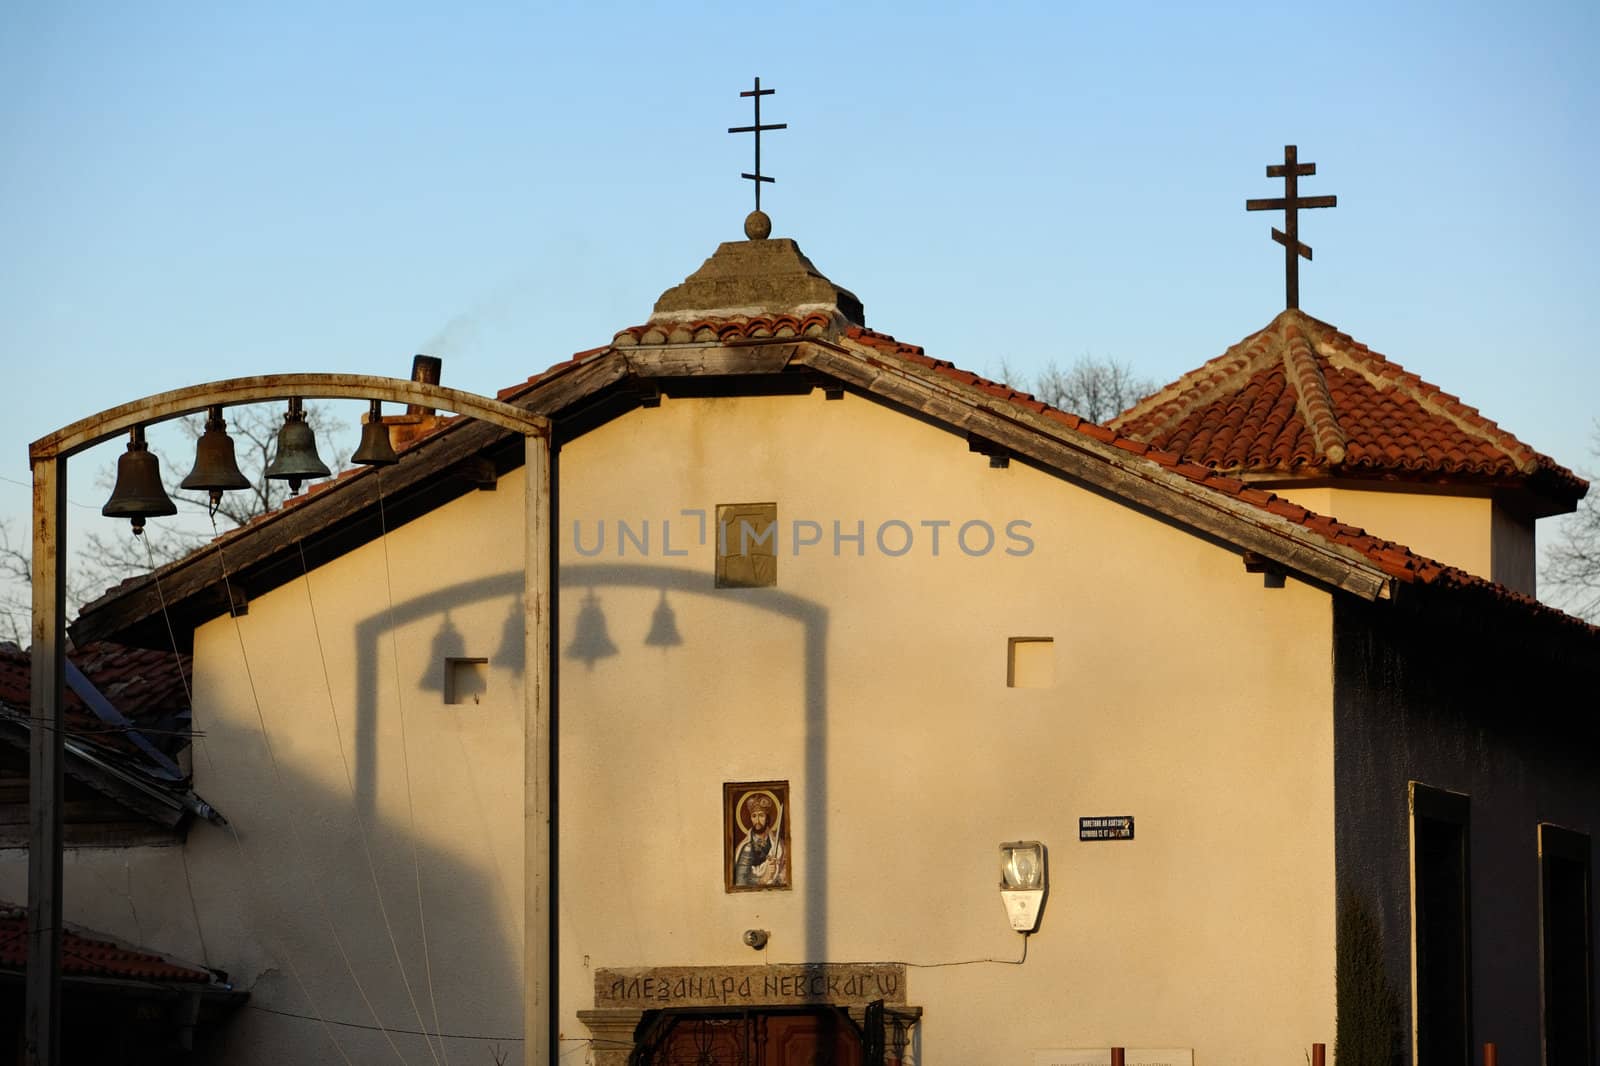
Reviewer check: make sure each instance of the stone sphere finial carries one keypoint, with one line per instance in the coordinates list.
(757, 226)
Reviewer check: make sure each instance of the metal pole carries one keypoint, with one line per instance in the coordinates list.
(1116, 1056)
(1491, 1054)
(1319, 1055)
(537, 953)
(43, 1018)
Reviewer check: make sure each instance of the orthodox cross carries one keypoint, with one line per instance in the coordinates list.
(758, 92)
(1290, 203)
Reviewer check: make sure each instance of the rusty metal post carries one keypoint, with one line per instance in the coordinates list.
(1116, 1056)
(538, 956)
(42, 1025)
(1491, 1054)
(1319, 1055)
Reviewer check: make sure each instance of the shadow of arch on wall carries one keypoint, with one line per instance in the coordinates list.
(811, 617)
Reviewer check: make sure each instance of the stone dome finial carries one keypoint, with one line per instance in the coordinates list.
(757, 226)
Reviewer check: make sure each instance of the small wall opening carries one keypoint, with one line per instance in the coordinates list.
(465, 680)
(1030, 662)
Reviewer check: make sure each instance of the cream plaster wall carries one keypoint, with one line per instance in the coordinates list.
(1470, 532)
(363, 808)
(1187, 695)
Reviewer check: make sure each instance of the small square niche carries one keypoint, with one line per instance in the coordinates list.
(1030, 662)
(465, 680)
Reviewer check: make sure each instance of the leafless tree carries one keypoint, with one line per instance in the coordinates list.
(1096, 389)
(1571, 577)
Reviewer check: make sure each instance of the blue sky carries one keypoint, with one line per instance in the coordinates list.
(193, 192)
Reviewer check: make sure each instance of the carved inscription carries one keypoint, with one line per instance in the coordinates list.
(843, 984)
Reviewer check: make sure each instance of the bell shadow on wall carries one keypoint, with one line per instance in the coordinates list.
(589, 643)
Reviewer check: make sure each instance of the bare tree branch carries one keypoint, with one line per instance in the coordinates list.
(1571, 577)
(1096, 389)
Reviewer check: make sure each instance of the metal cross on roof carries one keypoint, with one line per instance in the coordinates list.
(1290, 204)
(758, 92)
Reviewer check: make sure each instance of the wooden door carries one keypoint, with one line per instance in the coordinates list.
(818, 1037)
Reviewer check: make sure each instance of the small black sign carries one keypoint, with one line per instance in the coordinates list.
(1118, 827)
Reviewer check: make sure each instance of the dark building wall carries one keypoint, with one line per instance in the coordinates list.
(1478, 707)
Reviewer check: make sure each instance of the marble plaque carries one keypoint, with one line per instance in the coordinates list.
(842, 984)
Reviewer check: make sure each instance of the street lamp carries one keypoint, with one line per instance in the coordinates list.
(143, 497)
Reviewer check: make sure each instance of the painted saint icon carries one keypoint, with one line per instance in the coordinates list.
(755, 838)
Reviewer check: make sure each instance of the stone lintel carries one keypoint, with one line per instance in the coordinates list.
(783, 984)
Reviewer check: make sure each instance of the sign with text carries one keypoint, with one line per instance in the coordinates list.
(1171, 1056)
(1113, 827)
(841, 984)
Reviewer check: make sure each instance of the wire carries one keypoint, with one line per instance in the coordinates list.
(392, 1029)
(294, 830)
(970, 962)
(29, 486)
(361, 824)
(405, 757)
(283, 950)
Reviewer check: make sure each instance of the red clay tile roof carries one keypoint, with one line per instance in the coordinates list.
(83, 956)
(141, 683)
(1300, 397)
(1305, 350)
(1394, 559)
(712, 331)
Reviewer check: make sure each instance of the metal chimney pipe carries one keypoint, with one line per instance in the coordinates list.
(425, 369)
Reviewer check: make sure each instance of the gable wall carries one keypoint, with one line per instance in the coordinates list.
(1474, 533)
(1186, 695)
(358, 755)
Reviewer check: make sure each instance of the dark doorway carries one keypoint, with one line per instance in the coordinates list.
(1566, 946)
(1439, 825)
(814, 1036)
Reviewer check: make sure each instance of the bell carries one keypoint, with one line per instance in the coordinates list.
(138, 493)
(663, 626)
(376, 448)
(590, 641)
(215, 469)
(297, 450)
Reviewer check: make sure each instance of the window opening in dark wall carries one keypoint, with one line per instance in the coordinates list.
(1566, 947)
(1440, 824)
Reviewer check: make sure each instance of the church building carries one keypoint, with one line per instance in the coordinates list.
(899, 717)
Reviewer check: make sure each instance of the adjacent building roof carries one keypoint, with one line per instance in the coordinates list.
(1301, 399)
(85, 955)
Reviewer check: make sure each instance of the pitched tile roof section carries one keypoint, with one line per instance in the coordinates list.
(1302, 398)
(1396, 560)
(738, 328)
(145, 685)
(1392, 559)
(87, 956)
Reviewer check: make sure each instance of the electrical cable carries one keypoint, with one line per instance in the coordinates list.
(361, 825)
(405, 757)
(283, 951)
(294, 830)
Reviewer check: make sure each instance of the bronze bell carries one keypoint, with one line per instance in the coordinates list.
(297, 457)
(376, 448)
(138, 493)
(215, 469)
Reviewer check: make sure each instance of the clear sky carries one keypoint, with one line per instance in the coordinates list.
(197, 191)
